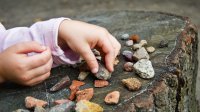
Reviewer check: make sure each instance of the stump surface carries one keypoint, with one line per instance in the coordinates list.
(172, 88)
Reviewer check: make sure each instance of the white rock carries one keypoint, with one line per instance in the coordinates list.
(140, 54)
(129, 42)
(143, 43)
(82, 75)
(136, 46)
(125, 36)
(144, 69)
(150, 49)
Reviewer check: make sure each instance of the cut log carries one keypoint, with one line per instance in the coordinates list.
(172, 88)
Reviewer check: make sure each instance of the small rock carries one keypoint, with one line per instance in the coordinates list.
(101, 83)
(128, 55)
(73, 94)
(96, 52)
(61, 101)
(65, 81)
(136, 46)
(112, 98)
(102, 73)
(135, 38)
(125, 36)
(143, 43)
(21, 110)
(163, 43)
(132, 83)
(86, 106)
(129, 43)
(144, 69)
(39, 109)
(85, 94)
(82, 75)
(150, 49)
(31, 102)
(99, 58)
(116, 61)
(140, 54)
(128, 67)
(74, 88)
(65, 107)
(76, 84)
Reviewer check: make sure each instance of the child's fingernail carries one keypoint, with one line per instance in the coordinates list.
(43, 47)
(94, 70)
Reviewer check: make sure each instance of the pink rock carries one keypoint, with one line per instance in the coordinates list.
(31, 102)
(112, 98)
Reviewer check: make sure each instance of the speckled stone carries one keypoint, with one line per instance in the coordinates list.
(163, 43)
(132, 84)
(144, 69)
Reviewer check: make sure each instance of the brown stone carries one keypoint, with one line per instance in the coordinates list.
(100, 83)
(31, 102)
(128, 67)
(61, 101)
(132, 83)
(85, 94)
(135, 38)
(112, 98)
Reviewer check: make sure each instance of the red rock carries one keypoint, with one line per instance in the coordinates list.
(85, 94)
(31, 102)
(76, 84)
(101, 83)
(61, 101)
(74, 88)
(73, 94)
(112, 98)
(135, 38)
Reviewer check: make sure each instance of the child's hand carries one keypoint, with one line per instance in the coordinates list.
(17, 67)
(82, 37)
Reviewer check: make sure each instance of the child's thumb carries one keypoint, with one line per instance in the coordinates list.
(27, 47)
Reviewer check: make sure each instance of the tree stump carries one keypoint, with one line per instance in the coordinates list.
(172, 88)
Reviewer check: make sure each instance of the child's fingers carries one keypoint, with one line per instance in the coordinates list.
(39, 59)
(108, 49)
(89, 57)
(38, 79)
(36, 72)
(27, 47)
(116, 45)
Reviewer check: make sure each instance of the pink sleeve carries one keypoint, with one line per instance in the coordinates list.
(45, 33)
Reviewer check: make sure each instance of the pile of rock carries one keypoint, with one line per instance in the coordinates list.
(137, 60)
